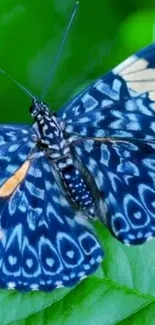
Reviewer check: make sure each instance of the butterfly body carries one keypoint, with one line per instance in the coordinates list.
(51, 140)
(95, 159)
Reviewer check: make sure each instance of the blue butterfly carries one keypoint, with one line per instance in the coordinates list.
(94, 160)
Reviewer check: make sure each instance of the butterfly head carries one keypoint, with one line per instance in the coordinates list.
(39, 108)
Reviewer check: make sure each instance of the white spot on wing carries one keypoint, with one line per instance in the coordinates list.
(147, 74)
(142, 87)
(124, 64)
(152, 95)
(138, 64)
(89, 102)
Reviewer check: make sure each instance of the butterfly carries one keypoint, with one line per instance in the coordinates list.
(95, 159)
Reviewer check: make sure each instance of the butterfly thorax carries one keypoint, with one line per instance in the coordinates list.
(51, 140)
(49, 133)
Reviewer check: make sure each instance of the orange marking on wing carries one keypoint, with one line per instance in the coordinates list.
(9, 186)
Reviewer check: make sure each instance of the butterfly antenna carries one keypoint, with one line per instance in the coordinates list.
(153, 33)
(17, 83)
(48, 82)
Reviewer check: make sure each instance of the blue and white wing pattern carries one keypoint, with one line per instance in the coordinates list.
(111, 130)
(15, 146)
(44, 243)
(95, 159)
(120, 104)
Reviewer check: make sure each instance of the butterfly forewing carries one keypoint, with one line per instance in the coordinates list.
(43, 244)
(16, 144)
(112, 106)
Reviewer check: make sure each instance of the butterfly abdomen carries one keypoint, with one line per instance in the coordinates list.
(76, 186)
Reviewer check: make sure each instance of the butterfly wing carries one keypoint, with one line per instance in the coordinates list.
(15, 145)
(121, 104)
(43, 243)
(111, 134)
(124, 175)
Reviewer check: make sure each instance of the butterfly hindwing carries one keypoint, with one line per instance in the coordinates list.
(124, 174)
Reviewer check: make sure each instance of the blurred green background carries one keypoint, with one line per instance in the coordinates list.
(104, 32)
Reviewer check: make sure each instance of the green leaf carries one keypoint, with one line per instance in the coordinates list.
(95, 302)
(15, 306)
(122, 290)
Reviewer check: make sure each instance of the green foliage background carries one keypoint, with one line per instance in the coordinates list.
(103, 34)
